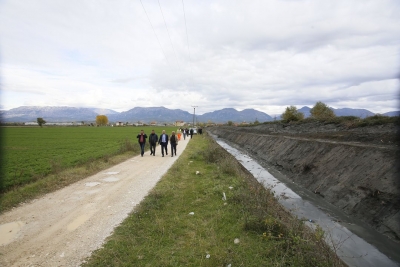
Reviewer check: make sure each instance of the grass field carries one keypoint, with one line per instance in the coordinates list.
(186, 221)
(32, 153)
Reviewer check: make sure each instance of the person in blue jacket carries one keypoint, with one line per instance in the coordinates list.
(163, 141)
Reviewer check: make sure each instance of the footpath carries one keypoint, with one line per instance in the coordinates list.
(63, 228)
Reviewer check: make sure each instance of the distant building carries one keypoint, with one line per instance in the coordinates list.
(139, 123)
(119, 123)
(55, 123)
(31, 123)
(179, 123)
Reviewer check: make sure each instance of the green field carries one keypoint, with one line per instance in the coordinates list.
(31, 153)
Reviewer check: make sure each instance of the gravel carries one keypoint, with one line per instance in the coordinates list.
(63, 228)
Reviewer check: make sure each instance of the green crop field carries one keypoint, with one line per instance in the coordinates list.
(30, 153)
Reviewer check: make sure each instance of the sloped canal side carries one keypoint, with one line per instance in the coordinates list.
(355, 240)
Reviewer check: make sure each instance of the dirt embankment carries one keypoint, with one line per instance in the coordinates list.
(355, 169)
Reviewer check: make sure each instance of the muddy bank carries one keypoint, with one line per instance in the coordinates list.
(356, 170)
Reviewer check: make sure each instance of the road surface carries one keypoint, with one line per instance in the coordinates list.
(62, 228)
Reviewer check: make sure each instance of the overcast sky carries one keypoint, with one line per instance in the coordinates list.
(265, 54)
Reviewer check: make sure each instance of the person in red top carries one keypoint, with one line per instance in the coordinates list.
(142, 141)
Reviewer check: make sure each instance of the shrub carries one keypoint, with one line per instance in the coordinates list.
(292, 114)
(321, 111)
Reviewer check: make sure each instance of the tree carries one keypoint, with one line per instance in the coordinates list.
(230, 123)
(40, 121)
(292, 114)
(101, 120)
(322, 111)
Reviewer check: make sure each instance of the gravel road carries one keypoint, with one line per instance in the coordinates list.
(62, 228)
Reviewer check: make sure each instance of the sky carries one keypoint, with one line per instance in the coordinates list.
(265, 55)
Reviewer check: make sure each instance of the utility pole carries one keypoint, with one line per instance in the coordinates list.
(194, 113)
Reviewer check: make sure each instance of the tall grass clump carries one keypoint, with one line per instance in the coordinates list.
(208, 211)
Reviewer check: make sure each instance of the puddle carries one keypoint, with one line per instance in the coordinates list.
(111, 173)
(78, 222)
(349, 237)
(111, 179)
(8, 231)
(94, 191)
(91, 184)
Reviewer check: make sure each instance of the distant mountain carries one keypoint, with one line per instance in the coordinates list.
(49, 114)
(231, 114)
(306, 111)
(362, 113)
(157, 114)
(103, 111)
(392, 113)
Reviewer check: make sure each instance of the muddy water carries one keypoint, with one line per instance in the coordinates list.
(355, 243)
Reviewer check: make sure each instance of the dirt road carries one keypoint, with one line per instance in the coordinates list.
(64, 227)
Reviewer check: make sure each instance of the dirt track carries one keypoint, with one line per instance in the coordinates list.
(64, 227)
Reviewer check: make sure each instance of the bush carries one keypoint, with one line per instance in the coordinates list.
(321, 111)
(292, 114)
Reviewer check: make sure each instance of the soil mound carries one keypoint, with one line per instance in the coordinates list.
(355, 169)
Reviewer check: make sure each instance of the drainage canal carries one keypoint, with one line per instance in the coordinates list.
(355, 242)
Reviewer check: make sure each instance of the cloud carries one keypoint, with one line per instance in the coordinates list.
(259, 54)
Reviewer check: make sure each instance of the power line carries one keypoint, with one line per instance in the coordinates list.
(177, 61)
(155, 33)
(187, 39)
(187, 36)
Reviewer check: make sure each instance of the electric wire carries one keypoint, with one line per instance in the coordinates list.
(165, 23)
(187, 36)
(187, 39)
(166, 58)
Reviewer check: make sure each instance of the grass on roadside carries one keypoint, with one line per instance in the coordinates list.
(248, 228)
(349, 122)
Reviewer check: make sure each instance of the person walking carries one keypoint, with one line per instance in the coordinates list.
(153, 139)
(184, 134)
(191, 133)
(142, 141)
(179, 133)
(174, 142)
(163, 141)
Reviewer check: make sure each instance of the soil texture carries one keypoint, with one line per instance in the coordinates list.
(356, 169)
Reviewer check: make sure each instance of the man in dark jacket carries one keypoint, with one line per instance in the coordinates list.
(142, 141)
(191, 133)
(163, 141)
(153, 139)
(174, 142)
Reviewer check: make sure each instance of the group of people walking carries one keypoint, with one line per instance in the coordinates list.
(185, 132)
(163, 141)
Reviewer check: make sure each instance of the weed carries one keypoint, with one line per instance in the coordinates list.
(225, 205)
(56, 164)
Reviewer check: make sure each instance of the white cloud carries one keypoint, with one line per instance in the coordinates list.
(259, 54)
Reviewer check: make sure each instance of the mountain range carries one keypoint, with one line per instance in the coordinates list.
(157, 114)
